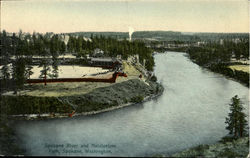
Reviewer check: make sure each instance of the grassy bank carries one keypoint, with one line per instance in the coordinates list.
(63, 98)
(131, 91)
(225, 69)
(229, 149)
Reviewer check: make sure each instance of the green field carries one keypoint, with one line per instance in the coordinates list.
(244, 68)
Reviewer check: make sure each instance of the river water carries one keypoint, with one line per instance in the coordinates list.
(191, 111)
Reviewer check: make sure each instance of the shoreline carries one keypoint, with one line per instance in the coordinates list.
(230, 148)
(118, 107)
(66, 115)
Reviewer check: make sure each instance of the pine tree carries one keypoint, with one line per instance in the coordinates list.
(5, 54)
(28, 49)
(43, 48)
(45, 69)
(62, 47)
(54, 67)
(236, 120)
(71, 44)
(18, 65)
(28, 69)
(19, 73)
(54, 50)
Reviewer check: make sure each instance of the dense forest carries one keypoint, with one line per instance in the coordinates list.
(217, 57)
(18, 50)
(214, 52)
(111, 47)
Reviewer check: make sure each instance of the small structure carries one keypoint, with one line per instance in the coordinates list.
(119, 57)
(105, 62)
(221, 41)
(98, 53)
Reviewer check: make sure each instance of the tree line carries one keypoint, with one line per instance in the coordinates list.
(214, 52)
(217, 57)
(18, 50)
(111, 47)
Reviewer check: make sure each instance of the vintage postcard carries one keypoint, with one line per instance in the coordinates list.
(125, 78)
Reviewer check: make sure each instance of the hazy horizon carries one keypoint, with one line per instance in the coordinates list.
(124, 32)
(69, 16)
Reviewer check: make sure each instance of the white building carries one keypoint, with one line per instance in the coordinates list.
(98, 53)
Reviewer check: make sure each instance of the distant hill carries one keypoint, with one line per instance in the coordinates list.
(183, 36)
(118, 35)
(166, 35)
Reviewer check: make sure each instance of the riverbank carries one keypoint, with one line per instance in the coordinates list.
(80, 98)
(220, 59)
(230, 149)
(226, 70)
(98, 100)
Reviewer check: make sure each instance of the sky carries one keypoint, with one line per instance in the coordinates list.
(109, 15)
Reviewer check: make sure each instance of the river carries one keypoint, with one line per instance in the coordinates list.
(191, 111)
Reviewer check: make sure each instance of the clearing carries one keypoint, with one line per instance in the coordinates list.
(244, 68)
(76, 88)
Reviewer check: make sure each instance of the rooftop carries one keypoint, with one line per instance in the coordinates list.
(103, 59)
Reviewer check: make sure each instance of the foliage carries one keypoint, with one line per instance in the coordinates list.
(213, 52)
(33, 105)
(236, 120)
(5, 54)
(52, 45)
(217, 57)
(227, 139)
(179, 37)
(200, 149)
(236, 74)
(137, 99)
(111, 47)
(19, 72)
(153, 78)
(28, 69)
(228, 153)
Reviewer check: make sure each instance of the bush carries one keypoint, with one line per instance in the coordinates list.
(137, 99)
(227, 139)
(32, 105)
(200, 149)
(153, 78)
(228, 153)
(125, 100)
(236, 74)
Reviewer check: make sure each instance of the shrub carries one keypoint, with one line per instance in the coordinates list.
(137, 99)
(228, 153)
(153, 78)
(227, 139)
(200, 149)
